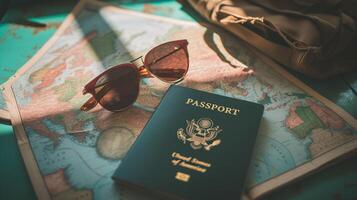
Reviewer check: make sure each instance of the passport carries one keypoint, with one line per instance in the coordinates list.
(196, 145)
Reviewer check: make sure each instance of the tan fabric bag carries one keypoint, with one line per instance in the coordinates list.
(314, 37)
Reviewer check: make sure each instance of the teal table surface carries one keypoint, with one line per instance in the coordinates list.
(19, 42)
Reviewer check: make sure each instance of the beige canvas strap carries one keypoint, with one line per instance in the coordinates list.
(278, 52)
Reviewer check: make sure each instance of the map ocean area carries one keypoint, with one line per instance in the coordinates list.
(70, 153)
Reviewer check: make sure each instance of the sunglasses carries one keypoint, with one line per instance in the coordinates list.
(118, 87)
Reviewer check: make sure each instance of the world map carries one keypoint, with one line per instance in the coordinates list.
(77, 152)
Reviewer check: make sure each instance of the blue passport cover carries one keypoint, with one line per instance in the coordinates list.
(196, 145)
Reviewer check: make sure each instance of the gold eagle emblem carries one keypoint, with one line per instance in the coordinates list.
(200, 134)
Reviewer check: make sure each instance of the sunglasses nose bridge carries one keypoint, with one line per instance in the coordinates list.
(138, 62)
(143, 71)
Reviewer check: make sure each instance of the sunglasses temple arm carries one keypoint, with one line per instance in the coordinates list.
(88, 105)
(169, 54)
(142, 71)
(92, 102)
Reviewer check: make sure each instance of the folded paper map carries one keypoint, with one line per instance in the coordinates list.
(4, 113)
(69, 153)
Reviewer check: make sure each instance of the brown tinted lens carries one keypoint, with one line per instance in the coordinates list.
(118, 88)
(168, 61)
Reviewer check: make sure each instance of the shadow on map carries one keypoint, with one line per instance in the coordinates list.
(211, 30)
